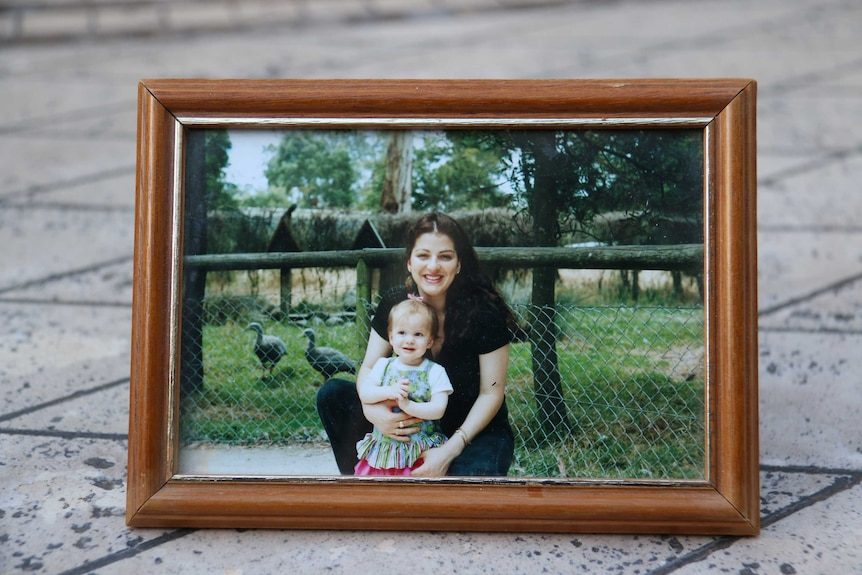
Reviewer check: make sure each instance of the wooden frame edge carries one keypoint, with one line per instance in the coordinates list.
(728, 504)
(150, 362)
(736, 433)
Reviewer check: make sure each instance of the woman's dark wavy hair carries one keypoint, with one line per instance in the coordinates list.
(472, 290)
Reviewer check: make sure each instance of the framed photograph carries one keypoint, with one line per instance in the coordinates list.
(587, 265)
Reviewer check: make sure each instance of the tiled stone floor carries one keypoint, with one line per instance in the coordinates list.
(67, 157)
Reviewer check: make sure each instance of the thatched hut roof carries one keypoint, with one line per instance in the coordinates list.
(320, 230)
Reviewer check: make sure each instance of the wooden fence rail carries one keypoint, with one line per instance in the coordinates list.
(684, 257)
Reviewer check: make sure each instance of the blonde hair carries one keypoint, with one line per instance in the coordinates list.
(414, 307)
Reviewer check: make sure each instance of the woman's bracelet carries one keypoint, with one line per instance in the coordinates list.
(463, 437)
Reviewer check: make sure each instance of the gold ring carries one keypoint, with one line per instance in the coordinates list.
(400, 425)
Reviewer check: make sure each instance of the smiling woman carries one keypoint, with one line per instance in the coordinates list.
(476, 329)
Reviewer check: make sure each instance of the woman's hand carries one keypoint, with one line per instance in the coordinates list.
(492, 384)
(394, 424)
(435, 461)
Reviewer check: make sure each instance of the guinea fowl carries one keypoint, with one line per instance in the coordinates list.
(326, 360)
(269, 349)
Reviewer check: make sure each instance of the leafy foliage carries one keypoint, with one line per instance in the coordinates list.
(646, 177)
(458, 171)
(314, 169)
(221, 195)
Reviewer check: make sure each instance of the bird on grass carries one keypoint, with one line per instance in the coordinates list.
(269, 349)
(326, 360)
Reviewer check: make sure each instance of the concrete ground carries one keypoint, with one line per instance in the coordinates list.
(67, 171)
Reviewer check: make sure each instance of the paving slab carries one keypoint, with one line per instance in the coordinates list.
(795, 264)
(100, 410)
(798, 200)
(45, 337)
(44, 242)
(810, 404)
(29, 166)
(68, 508)
(815, 543)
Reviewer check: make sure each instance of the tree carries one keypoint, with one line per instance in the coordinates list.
(205, 165)
(395, 196)
(654, 181)
(459, 170)
(313, 168)
(543, 206)
(221, 194)
(564, 180)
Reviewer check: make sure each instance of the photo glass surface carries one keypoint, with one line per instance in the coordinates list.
(606, 376)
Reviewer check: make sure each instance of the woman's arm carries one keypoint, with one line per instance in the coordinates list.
(493, 368)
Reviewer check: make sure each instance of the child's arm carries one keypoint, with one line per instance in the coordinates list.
(429, 410)
(369, 392)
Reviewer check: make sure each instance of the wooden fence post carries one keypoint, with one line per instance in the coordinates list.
(363, 302)
(282, 241)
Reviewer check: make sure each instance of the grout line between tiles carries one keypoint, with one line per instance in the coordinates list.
(70, 183)
(808, 229)
(839, 485)
(809, 296)
(69, 207)
(821, 330)
(816, 164)
(66, 274)
(71, 396)
(75, 303)
(91, 566)
(809, 469)
(64, 434)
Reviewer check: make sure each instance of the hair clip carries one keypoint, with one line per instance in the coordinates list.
(414, 297)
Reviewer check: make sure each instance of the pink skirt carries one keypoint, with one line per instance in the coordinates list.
(363, 468)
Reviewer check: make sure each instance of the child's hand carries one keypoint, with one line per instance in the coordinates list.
(400, 391)
(403, 399)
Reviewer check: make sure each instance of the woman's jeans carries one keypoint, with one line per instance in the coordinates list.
(489, 454)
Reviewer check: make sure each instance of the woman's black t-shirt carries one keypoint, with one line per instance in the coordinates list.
(460, 358)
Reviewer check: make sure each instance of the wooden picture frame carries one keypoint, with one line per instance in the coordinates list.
(726, 501)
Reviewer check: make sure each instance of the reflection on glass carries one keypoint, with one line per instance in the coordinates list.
(606, 374)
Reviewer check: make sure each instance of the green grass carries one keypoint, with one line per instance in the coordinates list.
(242, 404)
(630, 379)
(635, 409)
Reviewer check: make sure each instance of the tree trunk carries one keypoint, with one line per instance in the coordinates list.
(397, 193)
(398, 177)
(551, 408)
(194, 279)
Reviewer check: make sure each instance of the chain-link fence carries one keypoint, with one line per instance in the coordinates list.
(619, 393)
